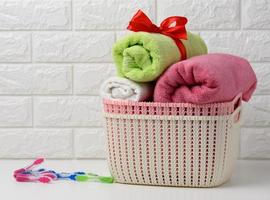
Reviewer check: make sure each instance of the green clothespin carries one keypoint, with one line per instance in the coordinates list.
(94, 178)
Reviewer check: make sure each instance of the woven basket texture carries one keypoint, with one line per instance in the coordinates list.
(172, 144)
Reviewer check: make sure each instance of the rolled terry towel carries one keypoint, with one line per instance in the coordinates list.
(122, 88)
(143, 56)
(206, 79)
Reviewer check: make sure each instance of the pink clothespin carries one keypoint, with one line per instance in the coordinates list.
(31, 178)
(28, 168)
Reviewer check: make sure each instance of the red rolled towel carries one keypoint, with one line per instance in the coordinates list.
(206, 79)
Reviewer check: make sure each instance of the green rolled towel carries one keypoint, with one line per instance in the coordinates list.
(143, 56)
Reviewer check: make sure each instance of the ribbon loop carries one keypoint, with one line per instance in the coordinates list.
(140, 22)
(173, 27)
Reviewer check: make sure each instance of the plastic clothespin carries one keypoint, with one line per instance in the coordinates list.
(28, 174)
(53, 174)
(71, 176)
(33, 178)
(94, 178)
(30, 167)
(41, 172)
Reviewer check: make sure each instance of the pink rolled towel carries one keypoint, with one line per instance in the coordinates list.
(206, 79)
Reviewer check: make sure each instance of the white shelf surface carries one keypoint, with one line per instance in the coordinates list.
(250, 181)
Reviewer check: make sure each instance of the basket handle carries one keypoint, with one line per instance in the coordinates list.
(237, 113)
(237, 101)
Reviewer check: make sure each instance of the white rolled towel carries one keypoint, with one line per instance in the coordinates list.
(125, 89)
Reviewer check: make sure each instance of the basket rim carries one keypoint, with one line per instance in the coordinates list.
(236, 100)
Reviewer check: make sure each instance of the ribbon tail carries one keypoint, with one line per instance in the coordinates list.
(181, 48)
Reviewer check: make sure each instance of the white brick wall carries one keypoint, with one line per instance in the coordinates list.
(15, 47)
(54, 54)
(203, 14)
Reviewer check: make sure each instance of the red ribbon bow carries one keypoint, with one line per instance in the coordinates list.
(173, 27)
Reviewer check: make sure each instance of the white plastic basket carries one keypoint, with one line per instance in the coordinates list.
(172, 150)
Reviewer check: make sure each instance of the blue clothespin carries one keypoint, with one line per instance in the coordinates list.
(71, 176)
